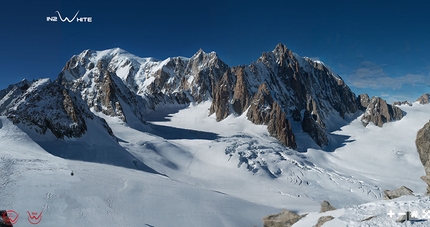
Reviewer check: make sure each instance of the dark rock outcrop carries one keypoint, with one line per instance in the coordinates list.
(264, 110)
(379, 112)
(222, 92)
(241, 97)
(322, 220)
(315, 130)
(5, 220)
(424, 99)
(422, 143)
(284, 219)
(402, 191)
(368, 219)
(363, 101)
(326, 206)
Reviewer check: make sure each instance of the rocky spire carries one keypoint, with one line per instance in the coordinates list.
(379, 112)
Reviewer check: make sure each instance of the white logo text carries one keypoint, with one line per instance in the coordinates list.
(60, 18)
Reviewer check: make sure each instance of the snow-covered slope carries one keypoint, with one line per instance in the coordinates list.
(229, 173)
(59, 121)
(104, 195)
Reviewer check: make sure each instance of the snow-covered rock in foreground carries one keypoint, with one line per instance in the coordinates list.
(376, 214)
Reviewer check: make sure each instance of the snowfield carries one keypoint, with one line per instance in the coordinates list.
(185, 169)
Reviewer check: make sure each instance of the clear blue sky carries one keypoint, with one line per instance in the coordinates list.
(378, 47)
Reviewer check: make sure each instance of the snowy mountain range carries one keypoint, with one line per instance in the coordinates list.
(284, 132)
(278, 90)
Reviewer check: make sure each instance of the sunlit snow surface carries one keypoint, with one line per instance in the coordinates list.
(228, 173)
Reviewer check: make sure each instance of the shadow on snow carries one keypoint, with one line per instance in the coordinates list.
(168, 132)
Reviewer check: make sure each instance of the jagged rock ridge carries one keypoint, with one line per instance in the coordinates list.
(276, 89)
(399, 103)
(44, 105)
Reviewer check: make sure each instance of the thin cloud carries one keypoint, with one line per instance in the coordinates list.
(370, 75)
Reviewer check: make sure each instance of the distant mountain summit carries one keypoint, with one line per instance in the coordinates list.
(276, 90)
(424, 99)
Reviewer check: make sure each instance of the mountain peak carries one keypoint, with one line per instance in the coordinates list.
(205, 59)
(280, 47)
(118, 50)
(282, 50)
(201, 54)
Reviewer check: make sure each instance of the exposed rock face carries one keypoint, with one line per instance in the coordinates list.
(316, 131)
(402, 191)
(379, 112)
(423, 147)
(11, 93)
(222, 92)
(326, 206)
(264, 110)
(322, 220)
(283, 219)
(241, 96)
(100, 88)
(424, 99)
(47, 105)
(363, 101)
